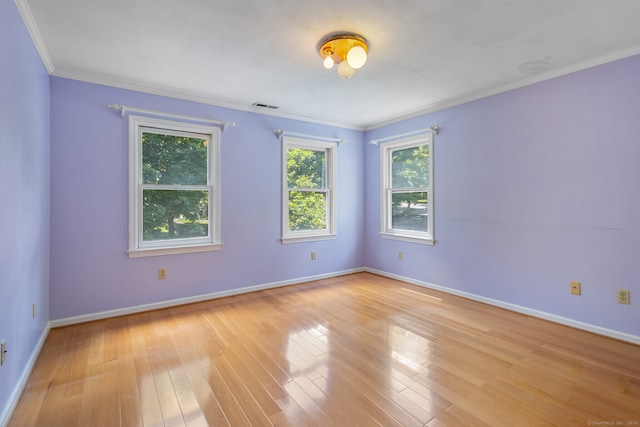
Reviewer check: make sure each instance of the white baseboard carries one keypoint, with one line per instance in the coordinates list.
(517, 308)
(497, 303)
(12, 402)
(199, 298)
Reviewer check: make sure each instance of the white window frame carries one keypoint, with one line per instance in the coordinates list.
(137, 246)
(386, 191)
(330, 148)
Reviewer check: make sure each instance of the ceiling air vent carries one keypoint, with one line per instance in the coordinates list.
(263, 105)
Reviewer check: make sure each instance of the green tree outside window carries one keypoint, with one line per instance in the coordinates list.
(306, 180)
(174, 170)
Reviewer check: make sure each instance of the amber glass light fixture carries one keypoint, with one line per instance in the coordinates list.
(348, 50)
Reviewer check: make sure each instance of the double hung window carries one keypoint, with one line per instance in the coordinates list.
(309, 190)
(407, 189)
(174, 196)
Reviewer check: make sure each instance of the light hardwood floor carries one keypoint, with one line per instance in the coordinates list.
(354, 350)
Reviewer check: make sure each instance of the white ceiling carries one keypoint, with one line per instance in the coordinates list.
(424, 54)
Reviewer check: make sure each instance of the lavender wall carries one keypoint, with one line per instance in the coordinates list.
(90, 270)
(533, 188)
(24, 199)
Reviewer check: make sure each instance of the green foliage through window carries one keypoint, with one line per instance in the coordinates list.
(307, 210)
(177, 162)
(409, 183)
(306, 180)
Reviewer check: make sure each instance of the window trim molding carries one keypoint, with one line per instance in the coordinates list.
(386, 231)
(330, 232)
(212, 242)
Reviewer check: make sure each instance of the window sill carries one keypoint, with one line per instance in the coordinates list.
(147, 252)
(302, 239)
(408, 238)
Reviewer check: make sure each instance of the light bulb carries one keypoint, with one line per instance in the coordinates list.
(345, 70)
(356, 57)
(328, 62)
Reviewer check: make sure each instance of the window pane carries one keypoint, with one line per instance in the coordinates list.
(409, 211)
(410, 167)
(307, 210)
(174, 214)
(306, 168)
(172, 159)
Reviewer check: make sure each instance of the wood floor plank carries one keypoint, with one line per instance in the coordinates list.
(254, 385)
(232, 409)
(128, 391)
(396, 405)
(294, 413)
(358, 350)
(208, 403)
(51, 406)
(193, 416)
(149, 399)
(305, 400)
(355, 402)
(69, 414)
(242, 393)
(108, 394)
(89, 404)
(253, 361)
(169, 406)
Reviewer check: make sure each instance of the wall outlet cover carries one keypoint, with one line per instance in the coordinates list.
(576, 288)
(3, 352)
(624, 296)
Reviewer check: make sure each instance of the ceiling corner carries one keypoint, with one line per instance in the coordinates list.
(36, 37)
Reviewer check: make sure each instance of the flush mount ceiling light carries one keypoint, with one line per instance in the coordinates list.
(348, 50)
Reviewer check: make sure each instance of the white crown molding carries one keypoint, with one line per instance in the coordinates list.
(193, 97)
(448, 103)
(621, 54)
(34, 32)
